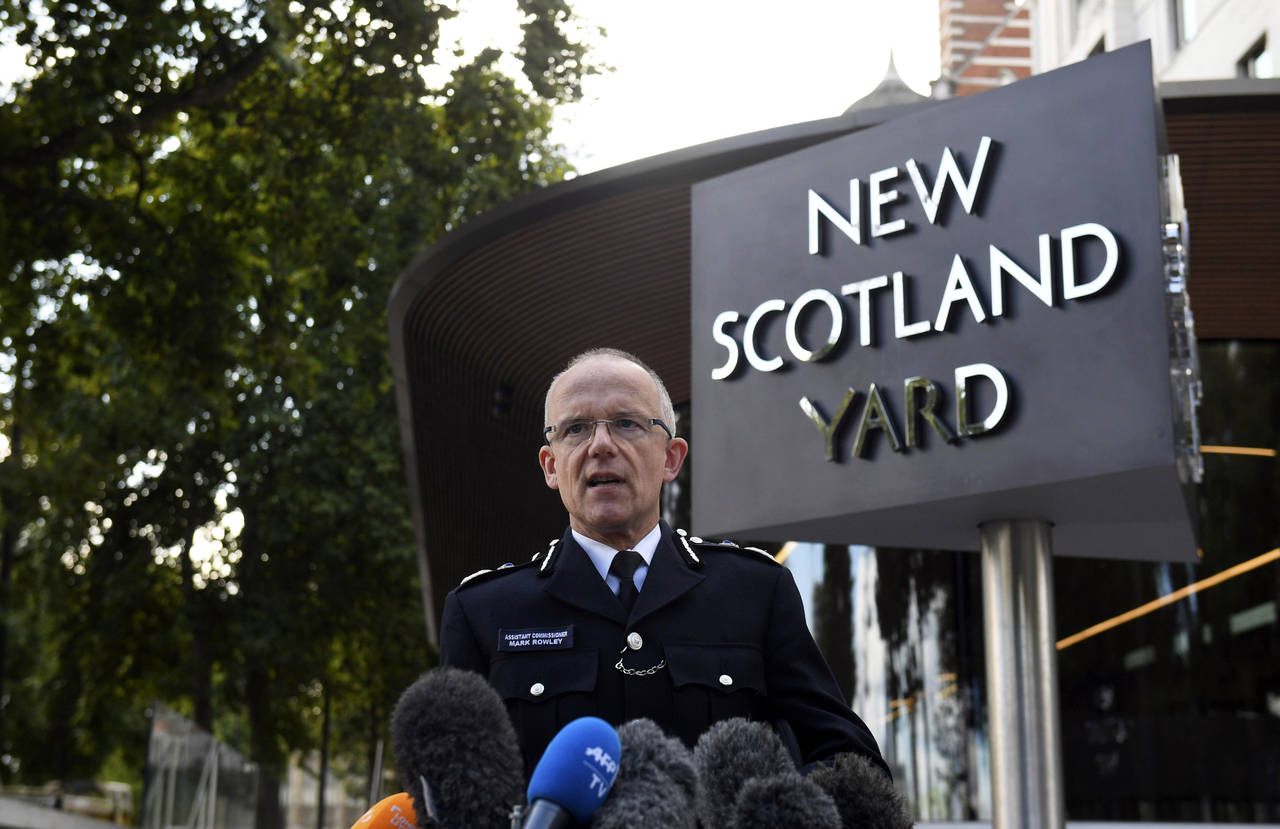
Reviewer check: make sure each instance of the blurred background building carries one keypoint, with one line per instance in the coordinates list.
(1191, 40)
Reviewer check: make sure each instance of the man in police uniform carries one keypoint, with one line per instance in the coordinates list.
(624, 618)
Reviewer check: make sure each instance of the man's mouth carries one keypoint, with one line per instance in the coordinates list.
(602, 480)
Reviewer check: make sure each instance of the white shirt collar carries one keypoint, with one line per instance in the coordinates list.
(601, 554)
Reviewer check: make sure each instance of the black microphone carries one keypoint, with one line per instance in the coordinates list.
(574, 775)
(863, 793)
(656, 782)
(456, 751)
(785, 801)
(727, 755)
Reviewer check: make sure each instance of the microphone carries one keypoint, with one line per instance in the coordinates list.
(785, 800)
(656, 782)
(729, 754)
(456, 751)
(863, 793)
(574, 775)
(394, 812)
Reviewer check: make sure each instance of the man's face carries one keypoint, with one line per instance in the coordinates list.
(610, 487)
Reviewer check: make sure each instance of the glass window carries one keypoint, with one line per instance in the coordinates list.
(1172, 716)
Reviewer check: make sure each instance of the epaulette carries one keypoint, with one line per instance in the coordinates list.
(689, 545)
(485, 575)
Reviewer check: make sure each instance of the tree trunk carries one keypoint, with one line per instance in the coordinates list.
(201, 665)
(8, 542)
(8, 550)
(324, 758)
(266, 754)
(373, 759)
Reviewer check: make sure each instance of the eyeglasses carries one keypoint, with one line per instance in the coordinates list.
(628, 428)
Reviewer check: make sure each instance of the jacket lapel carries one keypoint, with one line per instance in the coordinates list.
(575, 581)
(668, 578)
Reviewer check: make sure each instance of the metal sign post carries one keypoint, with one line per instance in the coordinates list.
(1022, 675)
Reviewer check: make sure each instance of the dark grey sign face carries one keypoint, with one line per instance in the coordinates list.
(1000, 252)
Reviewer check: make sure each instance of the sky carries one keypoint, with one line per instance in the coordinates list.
(690, 71)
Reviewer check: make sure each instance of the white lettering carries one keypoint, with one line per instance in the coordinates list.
(828, 429)
(833, 337)
(862, 290)
(880, 198)
(963, 374)
(948, 170)
(959, 287)
(1002, 264)
(603, 759)
(877, 415)
(901, 328)
(1070, 290)
(851, 227)
(730, 344)
(769, 306)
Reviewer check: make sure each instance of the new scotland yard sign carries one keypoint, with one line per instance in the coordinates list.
(958, 316)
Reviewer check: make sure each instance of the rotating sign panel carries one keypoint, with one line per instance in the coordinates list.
(954, 317)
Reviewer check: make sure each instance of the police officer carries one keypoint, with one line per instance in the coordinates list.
(623, 617)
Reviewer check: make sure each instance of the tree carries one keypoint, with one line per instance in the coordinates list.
(203, 209)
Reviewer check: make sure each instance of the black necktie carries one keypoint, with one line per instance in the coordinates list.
(624, 567)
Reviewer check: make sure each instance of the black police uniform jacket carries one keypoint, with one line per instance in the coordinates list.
(718, 631)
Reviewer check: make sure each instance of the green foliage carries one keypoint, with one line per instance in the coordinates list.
(203, 207)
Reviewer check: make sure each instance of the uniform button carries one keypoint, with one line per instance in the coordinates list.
(725, 679)
(696, 540)
(537, 688)
(634, 641)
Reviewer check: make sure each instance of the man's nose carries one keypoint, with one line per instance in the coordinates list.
(601, 438)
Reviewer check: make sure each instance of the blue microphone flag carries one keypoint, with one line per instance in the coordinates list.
(578, 767)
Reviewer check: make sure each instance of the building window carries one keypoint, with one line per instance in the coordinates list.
(1256, 63)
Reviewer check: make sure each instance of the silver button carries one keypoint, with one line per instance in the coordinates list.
(725, 679)
(634, 641)
(696, 540)
(537, 688)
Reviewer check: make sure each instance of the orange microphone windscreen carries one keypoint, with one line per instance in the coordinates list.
(394, 812)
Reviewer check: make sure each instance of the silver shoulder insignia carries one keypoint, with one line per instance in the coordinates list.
(549, 557)
(474, 575)
(686, 550)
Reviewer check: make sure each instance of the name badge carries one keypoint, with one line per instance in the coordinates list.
(536, 639)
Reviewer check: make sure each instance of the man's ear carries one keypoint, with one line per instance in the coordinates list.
(547, 460)
(677, 451)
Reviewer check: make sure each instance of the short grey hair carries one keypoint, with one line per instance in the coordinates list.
(668, 410)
